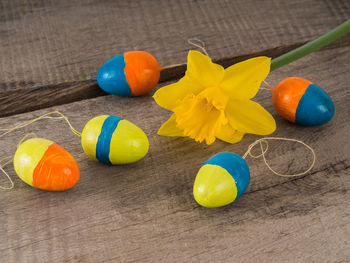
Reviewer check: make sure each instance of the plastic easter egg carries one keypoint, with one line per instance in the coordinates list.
(46, 165)
(300, 101)
(133, 73)
(113, 140)
(221, 180)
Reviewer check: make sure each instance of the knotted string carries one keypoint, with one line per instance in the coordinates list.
(7, 131)
(264, 150)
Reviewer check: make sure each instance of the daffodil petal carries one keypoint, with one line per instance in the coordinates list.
(250, 117)
(242, 80)
(228, 134)
(169, 128)
(201, 68)
(167, 96)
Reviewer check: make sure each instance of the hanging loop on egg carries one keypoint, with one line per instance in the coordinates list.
(264, 150)
(198, 43)
(267, 84)
(65, 118)
(25, 137)
(2, 166)
(46, 115)
(9, 160)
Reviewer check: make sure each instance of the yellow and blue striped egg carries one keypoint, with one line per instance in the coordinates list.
(113, 140)
(222, 179)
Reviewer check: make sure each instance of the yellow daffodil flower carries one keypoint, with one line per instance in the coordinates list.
(211, 102)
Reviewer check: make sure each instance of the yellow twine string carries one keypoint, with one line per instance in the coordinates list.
(46, 115)
(267, 84)
(198, 43)
(9, 161)
(25, 137)
(263, 151)
(192, 41)
(2, 166)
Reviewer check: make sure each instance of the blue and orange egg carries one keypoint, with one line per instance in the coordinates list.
(132, 73)
(44, 164)
(222, 179)
(113, 140)
(300, 101)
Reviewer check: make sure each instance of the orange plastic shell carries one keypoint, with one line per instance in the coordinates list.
(56, 171)
(141, 71)
(287, 94)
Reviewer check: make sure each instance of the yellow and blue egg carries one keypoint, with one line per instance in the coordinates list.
(222, 179)
(113, 140)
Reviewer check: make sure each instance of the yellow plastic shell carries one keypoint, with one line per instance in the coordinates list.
(90, 134)
(28, 155)
(128, 143)
(214, 186)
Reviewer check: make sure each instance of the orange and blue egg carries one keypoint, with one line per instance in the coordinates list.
(129, 74)
(300, 101)
(44, 164)
(222, 179)
(113, 140)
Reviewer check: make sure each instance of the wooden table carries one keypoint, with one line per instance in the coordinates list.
(50, 52)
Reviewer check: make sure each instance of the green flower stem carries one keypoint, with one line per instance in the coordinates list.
(312, 46)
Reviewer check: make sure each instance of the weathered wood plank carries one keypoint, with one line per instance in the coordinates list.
(34, 98)
(60, 45)
(146, 212)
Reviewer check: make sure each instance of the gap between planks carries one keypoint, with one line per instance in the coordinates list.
(34, 98)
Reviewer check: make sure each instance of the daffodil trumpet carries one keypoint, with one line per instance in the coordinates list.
(211, 102)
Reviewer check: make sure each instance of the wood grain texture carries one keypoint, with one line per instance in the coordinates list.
(54, 48)
(34, 98)
(145, 212)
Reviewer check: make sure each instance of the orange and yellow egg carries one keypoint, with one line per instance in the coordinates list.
(44, 164)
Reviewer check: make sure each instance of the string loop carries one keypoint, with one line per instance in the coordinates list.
(264, 150)
(46, 115)
(25, 137)
(267, 84)
(2, 166)
(198, 43)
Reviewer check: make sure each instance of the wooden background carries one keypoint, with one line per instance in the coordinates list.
(50, 52)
